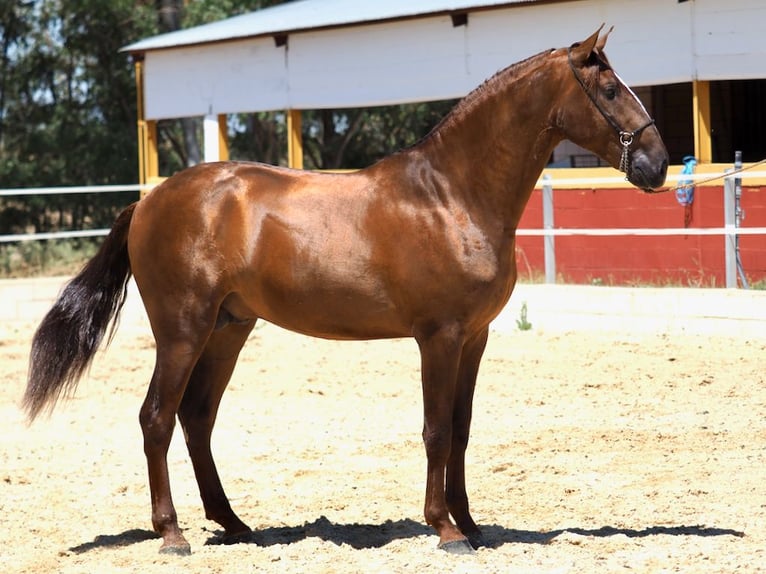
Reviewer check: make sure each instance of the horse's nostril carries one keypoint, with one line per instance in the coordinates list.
(662, 173)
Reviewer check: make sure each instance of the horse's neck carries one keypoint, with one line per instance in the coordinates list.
(496, 144)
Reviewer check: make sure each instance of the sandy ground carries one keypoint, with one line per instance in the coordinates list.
(590, 452)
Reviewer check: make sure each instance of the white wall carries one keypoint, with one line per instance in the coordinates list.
(729, 39)
(654, 42)
(246, 75)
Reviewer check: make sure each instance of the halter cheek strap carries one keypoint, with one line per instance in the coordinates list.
(626, 137)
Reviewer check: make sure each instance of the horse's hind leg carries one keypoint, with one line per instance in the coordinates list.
(175, 361)
(457, 498)
(197, 414)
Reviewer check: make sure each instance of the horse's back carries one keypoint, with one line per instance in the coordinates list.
(209, 199)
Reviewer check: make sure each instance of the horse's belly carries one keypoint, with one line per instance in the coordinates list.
(336, 318)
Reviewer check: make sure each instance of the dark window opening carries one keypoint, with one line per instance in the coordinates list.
(738, 119)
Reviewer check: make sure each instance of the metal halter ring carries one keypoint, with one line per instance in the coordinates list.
(626, 138)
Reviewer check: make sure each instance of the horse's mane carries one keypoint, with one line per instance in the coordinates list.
(501, 78)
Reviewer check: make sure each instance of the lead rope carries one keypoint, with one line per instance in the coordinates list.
(681, 185)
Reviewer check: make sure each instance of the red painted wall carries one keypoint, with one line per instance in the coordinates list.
(691, 260)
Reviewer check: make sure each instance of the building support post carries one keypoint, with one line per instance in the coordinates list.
(148, 155)
(211, 139)
(294, 140)
(703, 147)
(223, 138)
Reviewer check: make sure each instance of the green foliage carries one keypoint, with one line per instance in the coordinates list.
(206, 11)
(68, 97)
(67, 117)
(522, 323)
(259, 136)
(33, 258)
(355, 138)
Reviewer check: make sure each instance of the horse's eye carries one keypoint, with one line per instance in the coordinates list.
(610, 92)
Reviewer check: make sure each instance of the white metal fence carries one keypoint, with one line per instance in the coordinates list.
(729, 231)
(20, 191)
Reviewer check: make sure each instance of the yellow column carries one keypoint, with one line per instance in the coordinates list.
(294, 139)
(151, 152)
(148, 160)
(703, 146)
(223, 139)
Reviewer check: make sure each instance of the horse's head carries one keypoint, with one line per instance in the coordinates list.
(602, 114)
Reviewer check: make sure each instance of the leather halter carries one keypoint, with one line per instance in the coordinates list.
(626, 137)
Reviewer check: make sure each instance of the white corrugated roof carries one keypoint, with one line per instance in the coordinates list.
(301, 15)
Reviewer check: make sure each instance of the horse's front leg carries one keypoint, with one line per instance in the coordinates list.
(457, 498)
(440, 352)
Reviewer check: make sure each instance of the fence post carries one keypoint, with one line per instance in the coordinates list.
(729, 223)
(549, 240)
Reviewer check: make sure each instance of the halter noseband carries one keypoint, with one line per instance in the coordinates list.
(626, 137)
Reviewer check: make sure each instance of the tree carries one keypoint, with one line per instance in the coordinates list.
(357, 137)
(67, 112)
(68, 96)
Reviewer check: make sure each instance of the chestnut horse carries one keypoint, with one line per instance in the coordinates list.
(420, 244)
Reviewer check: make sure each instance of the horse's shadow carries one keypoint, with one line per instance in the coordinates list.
(361, 536)
(365, 536)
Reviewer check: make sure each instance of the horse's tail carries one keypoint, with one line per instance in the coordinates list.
(69, 335)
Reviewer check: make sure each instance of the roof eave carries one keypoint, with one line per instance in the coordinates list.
(150, 44)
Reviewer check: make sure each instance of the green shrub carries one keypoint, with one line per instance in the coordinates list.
(48, 257)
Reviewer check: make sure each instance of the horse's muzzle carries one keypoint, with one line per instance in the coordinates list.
(648, 174)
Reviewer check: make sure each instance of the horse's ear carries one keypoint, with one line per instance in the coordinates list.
(581, 51)
(602, 40)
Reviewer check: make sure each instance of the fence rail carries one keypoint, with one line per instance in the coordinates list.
(548, 232)
(71, 189)
(53, 235)
(641, 231)
(74, 189)
(695, 177)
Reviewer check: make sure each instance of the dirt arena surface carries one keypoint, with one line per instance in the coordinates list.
(590, 452)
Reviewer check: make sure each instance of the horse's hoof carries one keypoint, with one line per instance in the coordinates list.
(477, 541)
(457, 547)
(176, 550)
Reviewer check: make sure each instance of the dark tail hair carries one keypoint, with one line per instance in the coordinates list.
(70, 334)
